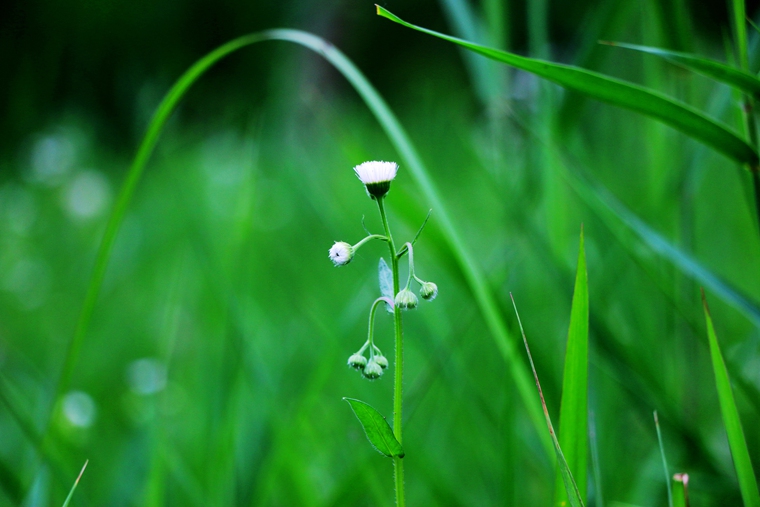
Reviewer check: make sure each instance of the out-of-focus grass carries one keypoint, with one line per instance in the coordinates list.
(215, 365)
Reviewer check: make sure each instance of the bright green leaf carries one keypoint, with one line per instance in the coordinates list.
(377, 429)
(573, 414)
(718, 71)
(736, 440)
(637, 98)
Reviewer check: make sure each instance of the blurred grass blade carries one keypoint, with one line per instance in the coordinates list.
(739, 12)
(76, 483)
(664, 459)
(736, 440)
(573, 414)
(571, 488)
(721, 72)
(614, 213)
(681, 490)
(680, 116)
(377, 429)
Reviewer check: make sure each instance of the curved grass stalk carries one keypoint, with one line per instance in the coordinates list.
(401, 142)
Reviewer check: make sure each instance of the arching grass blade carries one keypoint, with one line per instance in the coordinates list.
(637, 98)
(718, 71)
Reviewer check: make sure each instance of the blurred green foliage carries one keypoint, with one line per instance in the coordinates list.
(214, 368)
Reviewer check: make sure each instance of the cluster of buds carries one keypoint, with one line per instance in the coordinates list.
(377, 177)
(374, 367)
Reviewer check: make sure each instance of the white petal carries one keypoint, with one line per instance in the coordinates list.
(376, 171)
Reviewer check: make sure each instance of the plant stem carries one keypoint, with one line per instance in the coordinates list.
(398, 363)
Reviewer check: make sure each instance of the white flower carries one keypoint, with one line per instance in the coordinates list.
(376, 176)
(341, 253)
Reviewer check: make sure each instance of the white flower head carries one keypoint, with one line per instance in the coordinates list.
(341, 253)
(377, 177)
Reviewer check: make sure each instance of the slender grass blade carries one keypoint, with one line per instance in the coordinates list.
(74, 486)
(637, 98)
(571, 488)
(721, 72)
(573, 414)
(736, 440)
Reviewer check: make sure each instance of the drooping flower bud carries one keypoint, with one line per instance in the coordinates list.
(429, 291)
(373, 370)
(382, 361)
(341, 253)
(406, 300)
(357, 361)
(377, 177)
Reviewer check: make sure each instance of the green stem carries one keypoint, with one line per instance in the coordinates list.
(398, 362)
(371, 236)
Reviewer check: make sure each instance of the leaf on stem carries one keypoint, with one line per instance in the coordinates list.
(377, 429)
(385, 277)
(736, 440)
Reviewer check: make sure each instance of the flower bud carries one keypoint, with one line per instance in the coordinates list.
(357, 361)
(382, 361)
(377, 177)
(429, 291)
(341, 253)
(373, 370)
(406, 300)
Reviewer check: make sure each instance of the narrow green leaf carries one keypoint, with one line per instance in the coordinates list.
(573, 414)
(718, 71)
(736, 440)
(637, 98)
(74, 486)
(385, 277)
(571, 487)
(664, 459)
(377, 429)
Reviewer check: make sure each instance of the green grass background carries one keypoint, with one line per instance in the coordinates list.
(214, 366)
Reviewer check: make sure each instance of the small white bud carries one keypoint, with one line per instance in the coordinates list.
(341, 253)
(406, 300)
(376, 176)
(357, 361)
(373, 370)
(382, 361)
(429, 291)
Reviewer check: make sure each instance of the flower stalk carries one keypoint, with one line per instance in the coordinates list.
(377, 178)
